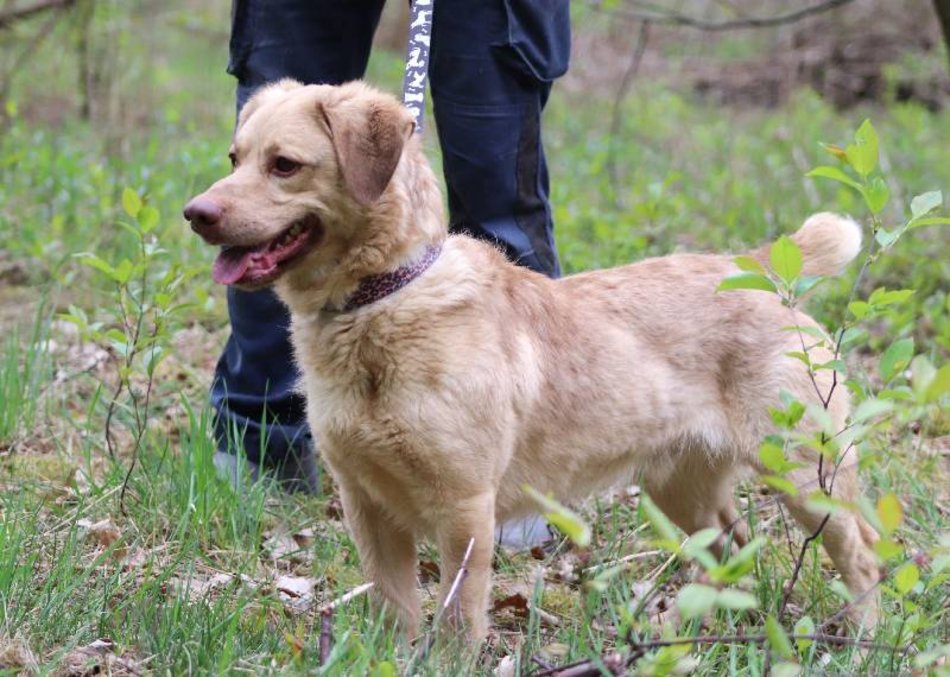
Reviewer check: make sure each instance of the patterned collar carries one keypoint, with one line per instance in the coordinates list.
(376, 287)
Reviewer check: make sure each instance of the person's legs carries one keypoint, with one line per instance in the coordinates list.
(254, 398)
(492, 66)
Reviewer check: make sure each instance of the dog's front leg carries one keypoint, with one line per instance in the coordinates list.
(387, 556)
(469, 518)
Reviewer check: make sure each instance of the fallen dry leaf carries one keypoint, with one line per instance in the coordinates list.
(98, 658)
(284, 547)
(304, 538)
(295, 586)
(104, 531)
(199, 587)
(429, 571)
(334, 509)
(296, 591)
(516, 603)
(16, 656)
(506, 667)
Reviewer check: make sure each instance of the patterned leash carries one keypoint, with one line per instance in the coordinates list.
(417, 59)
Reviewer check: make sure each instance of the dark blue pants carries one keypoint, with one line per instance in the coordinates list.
(492, 63)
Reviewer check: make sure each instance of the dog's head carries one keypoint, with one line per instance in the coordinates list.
(313, 166)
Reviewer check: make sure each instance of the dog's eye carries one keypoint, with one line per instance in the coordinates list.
(233, 158)
(285, 166)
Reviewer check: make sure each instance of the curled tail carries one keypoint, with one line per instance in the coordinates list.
(828, 243)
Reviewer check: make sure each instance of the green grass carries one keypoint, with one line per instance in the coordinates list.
(685, 177)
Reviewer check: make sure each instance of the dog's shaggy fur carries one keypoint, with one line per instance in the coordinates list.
(434, 406)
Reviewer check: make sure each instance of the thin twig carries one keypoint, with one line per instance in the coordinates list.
(615, 118)
(326, 619)
(459, 577)
(799, 561)
(26, 11)
(326, 635)
(622, 561)
(427, 642)
(343, 599)
(639, 648)
(672, 18)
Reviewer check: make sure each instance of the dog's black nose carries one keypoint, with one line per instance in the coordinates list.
(202, 213)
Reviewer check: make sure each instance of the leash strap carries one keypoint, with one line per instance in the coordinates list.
(417, 60)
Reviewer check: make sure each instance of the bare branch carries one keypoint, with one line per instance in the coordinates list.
(456, 584)
(629, 74)
(326, 620)
(673, 18)
(425, 646)
(326, 635)
(589, 667)
(18, 13)
(343, 599)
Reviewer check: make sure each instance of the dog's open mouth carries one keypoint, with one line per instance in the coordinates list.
(264, 263)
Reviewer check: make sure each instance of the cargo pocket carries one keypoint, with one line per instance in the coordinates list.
(539, 37)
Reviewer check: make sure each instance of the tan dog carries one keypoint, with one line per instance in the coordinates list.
(434, 405)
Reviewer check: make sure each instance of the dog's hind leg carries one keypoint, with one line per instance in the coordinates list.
(847, 537)
(698, 494)
(387, 555)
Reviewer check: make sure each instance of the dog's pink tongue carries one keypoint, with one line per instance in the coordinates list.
(231, 265)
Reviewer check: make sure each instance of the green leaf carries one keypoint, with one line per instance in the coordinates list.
(882, 296)
(940, 385)
(747, 281)
(737, 600)
(749, 265)
(821, 502)
(148, 218)
(889, 511)
(661, 523)
(562, 518)
(786, 486)
(886, 238)
(131, 202)
(834, 150)
(786, 259)
(801, 357)
(859, 309)
(870, 408)
(838, 587)
(832, 365)
(922, 373)
(804, 626)
(896, 358)
(739, 564)
(835, 174)
(123, 271)
(906, 578)
(778, 640)
(384, 669)
(788, 418)
(925, 203)
(695, 600)
(773, 458)
(863, 153)
(805, 284)
(876, 194)
(786, 669)
(702, 539)
(930, 221)
(887, 549)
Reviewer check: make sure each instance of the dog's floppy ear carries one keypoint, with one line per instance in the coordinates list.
(369, 137)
